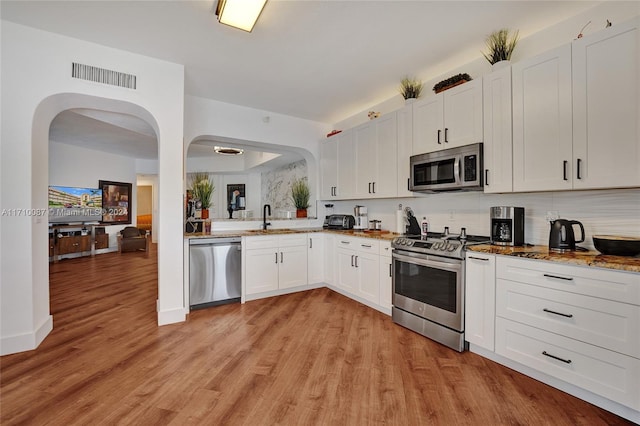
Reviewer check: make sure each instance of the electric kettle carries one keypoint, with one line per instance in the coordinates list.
(561, 236)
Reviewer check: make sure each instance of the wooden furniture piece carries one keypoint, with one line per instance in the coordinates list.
(133, 239)
(76, 240)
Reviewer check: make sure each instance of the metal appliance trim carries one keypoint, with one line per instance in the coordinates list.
(436, 332)
(459, 184)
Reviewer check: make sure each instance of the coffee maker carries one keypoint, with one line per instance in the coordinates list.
(507, 226)
(362, 218)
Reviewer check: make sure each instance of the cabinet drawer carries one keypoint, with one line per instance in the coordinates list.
(367, 245)
(613, 285)
(261, 242)
(606, 373)
(292, 240)
(604, 323)
(385, 248)
(346, 242)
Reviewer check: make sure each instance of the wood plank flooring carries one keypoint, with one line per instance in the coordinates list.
(309, 358)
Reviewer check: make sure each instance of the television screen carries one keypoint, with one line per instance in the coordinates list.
(69, 204)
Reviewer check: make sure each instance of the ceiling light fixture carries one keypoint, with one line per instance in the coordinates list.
(222, 150)
(241, 14)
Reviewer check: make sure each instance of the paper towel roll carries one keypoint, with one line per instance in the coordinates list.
(400, 222)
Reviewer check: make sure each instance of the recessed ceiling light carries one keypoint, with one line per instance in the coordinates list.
(222, 150)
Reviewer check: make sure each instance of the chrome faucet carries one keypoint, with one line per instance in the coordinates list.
(264, 216)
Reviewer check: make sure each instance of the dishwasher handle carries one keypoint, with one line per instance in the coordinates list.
(214, 241)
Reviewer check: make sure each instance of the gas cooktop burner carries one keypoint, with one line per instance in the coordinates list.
(440, 244)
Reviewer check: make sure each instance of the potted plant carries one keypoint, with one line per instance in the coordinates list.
(500, 44)
(300, 195)
(410, 88)
(202, 189)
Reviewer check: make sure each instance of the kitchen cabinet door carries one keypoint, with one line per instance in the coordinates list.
(404, 124)
(463, 114)
(292, 267)
(329, 168)
(606, 142)
(368, 268)
(498, 149)
(428, 124)
(542, 122)
(366, 159)
(261, 270)
(315, 257)
(346, 165)
(480, 294)
(385, 173)
(346, 273)
(386, 290)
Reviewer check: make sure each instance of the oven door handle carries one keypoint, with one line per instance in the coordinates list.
(441, 263)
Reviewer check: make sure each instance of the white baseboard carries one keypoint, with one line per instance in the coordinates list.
(281, 292)
(27, 341)
(375, 306)
(172, 316)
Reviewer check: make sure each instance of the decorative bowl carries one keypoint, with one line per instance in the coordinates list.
(617, 245)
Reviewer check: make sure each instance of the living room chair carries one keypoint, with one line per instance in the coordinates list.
(133, 239)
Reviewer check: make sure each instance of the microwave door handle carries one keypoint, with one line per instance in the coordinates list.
(456, 170)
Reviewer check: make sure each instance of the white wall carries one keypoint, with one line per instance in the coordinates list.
(36, 86)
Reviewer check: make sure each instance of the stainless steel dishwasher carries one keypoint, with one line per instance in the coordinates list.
(215, 268)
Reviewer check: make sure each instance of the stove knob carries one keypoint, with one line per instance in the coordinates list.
(452, 247)
(436, 246)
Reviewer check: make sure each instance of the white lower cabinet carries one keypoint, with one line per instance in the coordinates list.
(386, 287)
(577, 324)
(358, 267)
(315, 258)
(273, 263)
(480, 293)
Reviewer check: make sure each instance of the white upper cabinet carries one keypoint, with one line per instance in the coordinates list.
(449, 119)
(329, 168)
(498, 151)
(542, 134)
(346, 160)
(404, 118)
(376, 158)
(606, 143)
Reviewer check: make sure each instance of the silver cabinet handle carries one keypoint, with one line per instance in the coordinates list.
(564, 170)
(310, 243)
(276, 257)
(356, 261)
(567, 361)
(390, 270)
(352, 256)
(365, 245)
(369, 187)
(558, 313)
(478, 258)
(446, 135)
(486, 177)
(345, 242)
(439, 143)
(281, 257)
(374, 187)
(558, 278)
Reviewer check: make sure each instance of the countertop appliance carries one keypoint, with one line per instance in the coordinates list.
(339, 221)
(507, 226)
(428, 285)
(362, 218)
(562, 237)
(215, 269)
(447, 170)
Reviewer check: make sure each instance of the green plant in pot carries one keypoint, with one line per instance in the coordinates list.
(410, 88)
(500, 44)
(300, 196)
(202, 189)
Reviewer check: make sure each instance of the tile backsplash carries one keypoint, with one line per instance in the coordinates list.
(613, 212)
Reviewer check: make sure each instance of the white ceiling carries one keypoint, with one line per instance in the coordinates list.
(319, 60)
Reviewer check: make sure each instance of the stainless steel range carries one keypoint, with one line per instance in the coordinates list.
(428, 284)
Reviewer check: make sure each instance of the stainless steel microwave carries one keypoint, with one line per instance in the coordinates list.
(448, 170)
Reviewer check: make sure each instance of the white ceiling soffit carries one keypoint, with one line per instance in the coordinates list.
(114, 133)
(319, 60)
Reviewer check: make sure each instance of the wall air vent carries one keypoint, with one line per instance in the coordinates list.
(101, 75)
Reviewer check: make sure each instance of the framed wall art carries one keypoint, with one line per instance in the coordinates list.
(116, 202)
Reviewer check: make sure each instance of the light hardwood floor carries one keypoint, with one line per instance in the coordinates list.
(307, 358)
